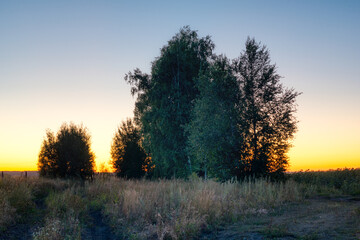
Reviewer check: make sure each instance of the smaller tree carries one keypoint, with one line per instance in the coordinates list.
(48, 159)
(128, 157)
(68, 154)
(267, 114)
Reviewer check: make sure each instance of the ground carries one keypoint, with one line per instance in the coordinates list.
(317, 218)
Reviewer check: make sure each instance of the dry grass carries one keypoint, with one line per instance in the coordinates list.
(142, 209)
(334, 182)
(182, 209)
(15, 201)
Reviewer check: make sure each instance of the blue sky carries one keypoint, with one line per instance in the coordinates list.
(65, 61)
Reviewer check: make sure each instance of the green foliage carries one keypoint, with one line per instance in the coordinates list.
(128, 157)
(197, 112)
(165, 100)
(68, 154)
(243, 118)
(213, 132)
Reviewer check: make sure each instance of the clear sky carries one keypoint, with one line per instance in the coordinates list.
(63, 61)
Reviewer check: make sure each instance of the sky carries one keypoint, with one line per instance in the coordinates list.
(65, 61)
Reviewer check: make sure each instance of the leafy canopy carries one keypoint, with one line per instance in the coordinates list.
(213, 132)
(198, 112)
(165, 100)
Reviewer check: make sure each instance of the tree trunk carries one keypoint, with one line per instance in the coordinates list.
(189, 162)
(205, 175)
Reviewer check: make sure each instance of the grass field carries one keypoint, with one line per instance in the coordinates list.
(309, 205)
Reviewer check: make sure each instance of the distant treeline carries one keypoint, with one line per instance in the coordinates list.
(195, 113)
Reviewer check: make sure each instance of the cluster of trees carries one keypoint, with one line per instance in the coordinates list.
(68, 154)
(195, 112)
(200, 112)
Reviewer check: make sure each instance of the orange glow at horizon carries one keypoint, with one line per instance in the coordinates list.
(299, 160)
(324, 140)
(296, 164)
(314, 148)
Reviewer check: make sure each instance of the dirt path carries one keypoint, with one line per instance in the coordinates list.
(97, 228)
(320, 218)
(20, 231)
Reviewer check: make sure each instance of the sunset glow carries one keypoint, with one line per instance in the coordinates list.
(65, 62)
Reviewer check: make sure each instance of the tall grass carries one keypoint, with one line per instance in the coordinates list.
(7, 212)
(182, 209)
(63, 212)
(162, 209)
(24, 200)
(16, 203)
(333, 182)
